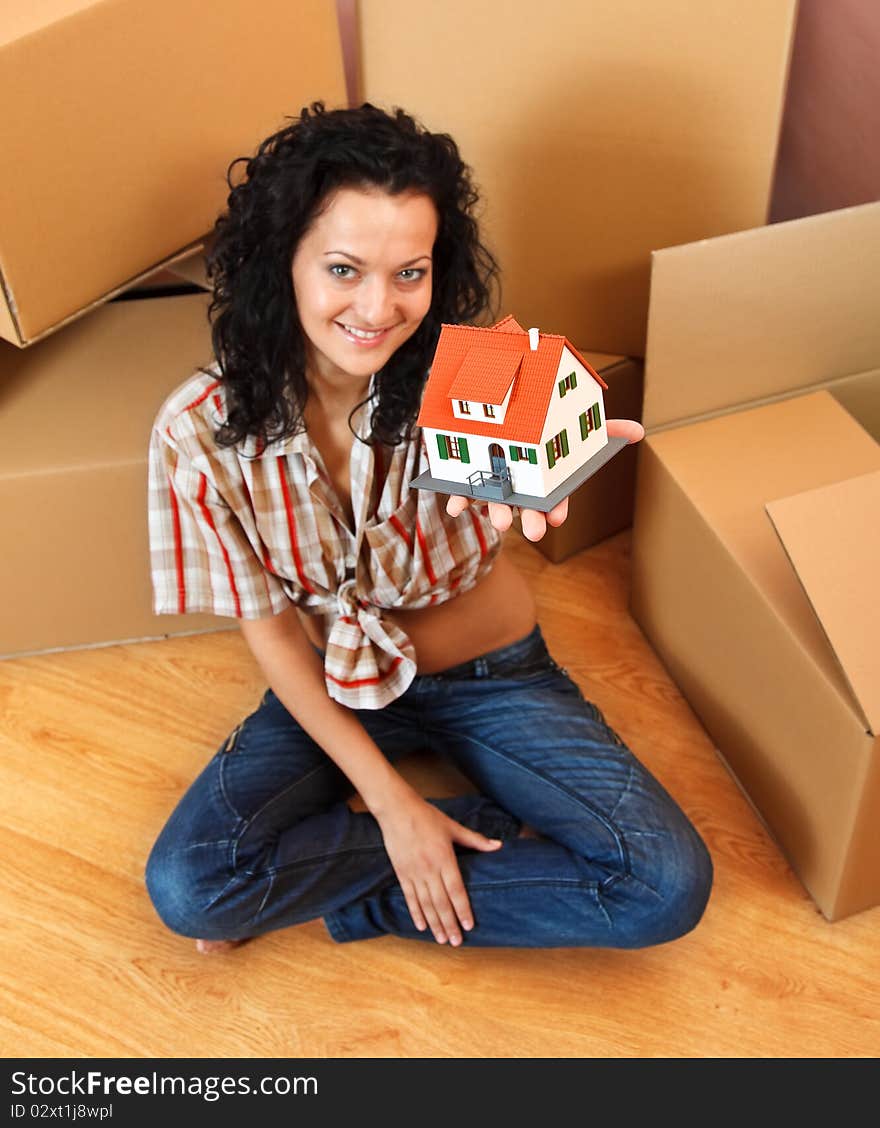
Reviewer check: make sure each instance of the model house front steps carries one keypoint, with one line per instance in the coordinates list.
(497, 487)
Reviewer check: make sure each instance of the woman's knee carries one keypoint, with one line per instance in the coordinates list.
(182, 889)
(680, 886)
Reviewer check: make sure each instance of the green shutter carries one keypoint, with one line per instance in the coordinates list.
(574, 380)
(597, 421)
(582, 419)
(514, 454)
(441, 443)
(533, 456)
(564, 442)
(562, 387)
(551, 457)
(463, 450)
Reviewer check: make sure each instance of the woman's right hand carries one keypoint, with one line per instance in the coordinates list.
(419, 840)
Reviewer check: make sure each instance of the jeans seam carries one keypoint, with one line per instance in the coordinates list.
(611, 827)
(274, 871)
(269, 886)
(625, 792)
(336, 928)
(213, 900)
(221, 778)
(602, 908)
(543, 883)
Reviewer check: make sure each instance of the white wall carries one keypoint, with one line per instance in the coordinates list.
(564, 412)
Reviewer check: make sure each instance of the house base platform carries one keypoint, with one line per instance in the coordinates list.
(526, 501)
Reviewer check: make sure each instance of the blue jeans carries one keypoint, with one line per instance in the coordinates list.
(264, 838)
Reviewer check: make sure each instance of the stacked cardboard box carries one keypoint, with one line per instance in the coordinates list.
(597, 133)
(756, 541)
(75, 416)
(120, 121)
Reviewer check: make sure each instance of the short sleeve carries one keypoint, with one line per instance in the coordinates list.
(201, 558)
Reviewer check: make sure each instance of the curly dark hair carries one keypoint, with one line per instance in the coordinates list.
(258, 341)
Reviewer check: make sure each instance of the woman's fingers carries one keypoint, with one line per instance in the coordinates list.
(445, 910)
(432, 914)
(450, 906)
(412, 903)
(458, 898)
(456, 505)
(558, 513)
(500, 515)
(442, 900)
(534, 524)
(627, 429)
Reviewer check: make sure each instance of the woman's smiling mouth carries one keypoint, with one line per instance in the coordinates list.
(363, 336)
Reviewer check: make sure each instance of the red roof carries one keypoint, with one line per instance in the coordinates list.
(479, 361)
(485, 375)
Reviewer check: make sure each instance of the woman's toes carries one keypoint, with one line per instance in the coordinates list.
(210, 947)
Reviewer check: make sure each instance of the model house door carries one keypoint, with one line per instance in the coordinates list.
(496, 453)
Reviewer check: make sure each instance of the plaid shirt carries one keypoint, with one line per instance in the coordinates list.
(245, 532)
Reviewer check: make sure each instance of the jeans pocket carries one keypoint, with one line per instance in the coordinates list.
(232, 740)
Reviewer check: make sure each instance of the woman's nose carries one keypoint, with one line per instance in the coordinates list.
(375, 302)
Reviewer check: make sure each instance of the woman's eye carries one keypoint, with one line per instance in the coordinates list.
(411, 274)
(341, 270)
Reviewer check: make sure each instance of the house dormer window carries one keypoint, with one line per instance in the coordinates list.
(482, 387)
(568, 384)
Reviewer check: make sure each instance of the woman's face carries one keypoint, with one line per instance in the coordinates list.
(362, 279)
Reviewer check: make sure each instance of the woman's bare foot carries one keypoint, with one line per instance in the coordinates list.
(210, 947)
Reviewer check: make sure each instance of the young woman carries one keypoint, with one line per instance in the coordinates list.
(385, 619)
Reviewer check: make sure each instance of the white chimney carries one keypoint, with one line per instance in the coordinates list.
(533, 340)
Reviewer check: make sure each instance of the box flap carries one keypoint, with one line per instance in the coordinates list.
(832, 538)
(8, 328)
(753, 316)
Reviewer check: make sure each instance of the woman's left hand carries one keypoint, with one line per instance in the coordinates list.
(534, 522)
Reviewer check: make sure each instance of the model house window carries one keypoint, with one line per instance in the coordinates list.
(464, 407)
(453, 446)
(489, 410)
(524, 454)
(590, 420)
(568, 384)
(557, 448)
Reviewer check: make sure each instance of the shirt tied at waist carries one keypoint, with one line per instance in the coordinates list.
(365, 651)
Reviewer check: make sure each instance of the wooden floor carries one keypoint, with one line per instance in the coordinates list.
(97, 745)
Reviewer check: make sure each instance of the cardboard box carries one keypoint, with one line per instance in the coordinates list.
(75, 418)
(597, 132)
(120, 119)
(756, 538)
(603, 505)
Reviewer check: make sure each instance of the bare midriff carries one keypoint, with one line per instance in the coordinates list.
(499, 610)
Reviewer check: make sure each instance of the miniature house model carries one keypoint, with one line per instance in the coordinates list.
(512, 416)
